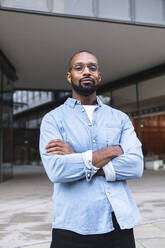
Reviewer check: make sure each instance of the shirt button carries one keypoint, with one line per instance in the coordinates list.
(83, 109)
(88, 175)
(94, 141)
(89, 124)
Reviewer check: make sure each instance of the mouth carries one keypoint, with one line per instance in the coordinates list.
(86, 81)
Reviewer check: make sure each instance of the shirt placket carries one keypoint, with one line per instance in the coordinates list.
(93, 138)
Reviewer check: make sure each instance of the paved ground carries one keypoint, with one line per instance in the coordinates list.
(26, 209)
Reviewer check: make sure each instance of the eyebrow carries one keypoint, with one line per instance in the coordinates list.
(81, 63)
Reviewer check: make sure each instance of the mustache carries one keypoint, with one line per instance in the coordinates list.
(87, 78)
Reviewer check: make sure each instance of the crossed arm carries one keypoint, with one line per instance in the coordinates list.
(62, 164)
(99, 158)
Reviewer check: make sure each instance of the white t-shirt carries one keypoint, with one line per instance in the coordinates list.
(89, 110)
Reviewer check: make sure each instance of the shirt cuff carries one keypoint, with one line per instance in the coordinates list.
(90, 168)
(109, 172)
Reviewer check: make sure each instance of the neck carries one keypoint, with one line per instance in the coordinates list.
(85, 100)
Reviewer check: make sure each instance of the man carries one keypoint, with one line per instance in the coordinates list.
(89, 150)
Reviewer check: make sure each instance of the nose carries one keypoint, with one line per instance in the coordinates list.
(86, 71)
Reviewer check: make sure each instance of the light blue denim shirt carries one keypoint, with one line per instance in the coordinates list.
(83, 201)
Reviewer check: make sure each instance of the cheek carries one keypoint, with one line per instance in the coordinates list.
(75, 79)
(97, 77)
(97, 80)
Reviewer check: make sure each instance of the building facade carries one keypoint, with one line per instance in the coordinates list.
(38, 38)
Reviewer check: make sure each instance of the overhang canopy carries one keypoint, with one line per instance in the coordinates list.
(39, 47)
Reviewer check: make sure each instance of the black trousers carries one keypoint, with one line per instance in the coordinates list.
(115, 239)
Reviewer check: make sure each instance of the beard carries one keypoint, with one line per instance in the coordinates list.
(85, 90)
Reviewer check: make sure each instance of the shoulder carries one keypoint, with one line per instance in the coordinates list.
(54, 114)
(116, 113)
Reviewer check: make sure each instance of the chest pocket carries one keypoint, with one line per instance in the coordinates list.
(113, 135)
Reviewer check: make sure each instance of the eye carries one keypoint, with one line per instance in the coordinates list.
(78, 67)
(92, 67)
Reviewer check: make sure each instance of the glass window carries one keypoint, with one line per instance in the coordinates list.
(150, 122)
(36, 93)
(73, 7)
(105, 99)
(30, 97)
(27, 4)
(19, 96)
(125, 99)
(31, 124)
(152, 128)
(115, 9)
(6, 136)
(152, 93)
(15, 96)
(24, 97)
(150, 11)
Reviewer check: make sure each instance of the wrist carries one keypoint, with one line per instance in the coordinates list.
(100, 173)
(114, 151)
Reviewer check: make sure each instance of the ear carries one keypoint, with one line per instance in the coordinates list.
(100, 77)
(68, 77)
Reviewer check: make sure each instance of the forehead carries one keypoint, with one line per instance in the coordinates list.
(84, 58)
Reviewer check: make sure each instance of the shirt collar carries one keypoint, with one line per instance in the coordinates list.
(99, 102)
(72, 102)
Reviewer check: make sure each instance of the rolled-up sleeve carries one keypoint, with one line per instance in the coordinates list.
(129, 165)
(91, 169)
(60, 168)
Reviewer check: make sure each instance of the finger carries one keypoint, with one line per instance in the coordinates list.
(54, 140)
(54, 144)
(54, 149)
(57, 153)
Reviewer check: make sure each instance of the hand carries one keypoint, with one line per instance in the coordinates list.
(100, 173)
(119, 150)
(58, 147)
(104, 155)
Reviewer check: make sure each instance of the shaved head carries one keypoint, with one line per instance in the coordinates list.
(81, 51)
